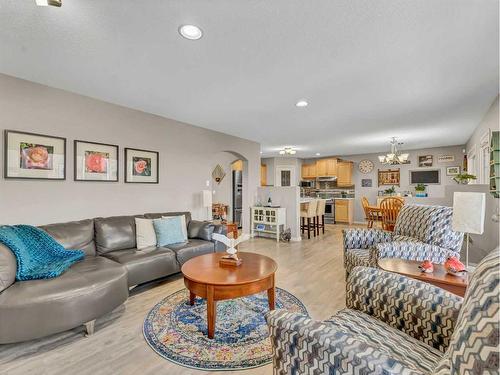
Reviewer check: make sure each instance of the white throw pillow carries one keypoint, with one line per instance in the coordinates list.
(144, 233)
(184, 226)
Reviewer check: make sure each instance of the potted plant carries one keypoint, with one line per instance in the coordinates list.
(420, 190)
(464, 178)
(390, 191)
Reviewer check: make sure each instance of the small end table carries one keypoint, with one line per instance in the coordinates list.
(440, 278)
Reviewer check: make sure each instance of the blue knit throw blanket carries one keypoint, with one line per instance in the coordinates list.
(38, 255)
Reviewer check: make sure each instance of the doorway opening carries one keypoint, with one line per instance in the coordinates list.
(237, 192)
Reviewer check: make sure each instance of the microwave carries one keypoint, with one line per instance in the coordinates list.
(307, 183)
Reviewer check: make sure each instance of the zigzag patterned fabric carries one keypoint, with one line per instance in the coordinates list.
(416, 227)
(370, 337)
(474, 347)
(410, 250)
(421, 310)
(429, 224)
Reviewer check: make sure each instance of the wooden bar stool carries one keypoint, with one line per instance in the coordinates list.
(320, 215)
(309, 213)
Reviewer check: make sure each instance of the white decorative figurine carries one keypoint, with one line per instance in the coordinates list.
(231, 244)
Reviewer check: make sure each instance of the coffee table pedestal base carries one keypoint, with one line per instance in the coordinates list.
(213, 293)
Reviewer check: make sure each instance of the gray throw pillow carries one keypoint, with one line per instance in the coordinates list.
(200, 230)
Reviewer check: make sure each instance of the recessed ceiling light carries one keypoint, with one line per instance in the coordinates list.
(301, 104)
(318, 154)
(44, 3)
(191, 32)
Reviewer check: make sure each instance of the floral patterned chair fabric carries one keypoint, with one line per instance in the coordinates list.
(396, 325)
(421, 232)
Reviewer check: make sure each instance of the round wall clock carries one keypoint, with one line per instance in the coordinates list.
(365, 166)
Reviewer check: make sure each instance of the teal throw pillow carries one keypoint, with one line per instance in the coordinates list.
(168, 231)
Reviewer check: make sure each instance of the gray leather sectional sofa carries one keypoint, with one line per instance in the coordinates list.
(99, 283)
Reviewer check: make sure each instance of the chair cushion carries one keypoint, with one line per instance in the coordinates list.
(36, 308)
(191, 249)
(146, 264)
(115, 233)
(390, 341)
(74, 235)
(356, 257)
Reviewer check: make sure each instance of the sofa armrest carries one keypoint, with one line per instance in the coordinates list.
(304, 346)
(220, 229)
(411, 251)
(421, 310)
(357, 238)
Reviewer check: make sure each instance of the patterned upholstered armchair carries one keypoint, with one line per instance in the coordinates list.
(396, 325)
(421, 232)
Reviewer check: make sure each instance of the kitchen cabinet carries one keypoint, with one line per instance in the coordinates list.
(331, 167)
(263, 175)
(308, 171)
(321, 167)
(344, 173)
(326, 167)
(344, 211)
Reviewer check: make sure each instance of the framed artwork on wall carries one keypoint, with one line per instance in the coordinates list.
(95, 161)
(425, 161)
(452, 171)
(446, 158)
(141, 166)
(366, 182)
(34, 156)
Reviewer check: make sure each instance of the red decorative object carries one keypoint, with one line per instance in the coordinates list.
(426, 266)
(454, 267)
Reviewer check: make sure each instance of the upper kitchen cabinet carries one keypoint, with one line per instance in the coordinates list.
(326, 167)
(309, 171)
(263, 175)
(344, 173)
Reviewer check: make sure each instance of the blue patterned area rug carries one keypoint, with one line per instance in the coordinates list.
(178, 331)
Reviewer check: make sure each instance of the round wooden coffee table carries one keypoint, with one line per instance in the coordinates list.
(205, 278)
(454, 284)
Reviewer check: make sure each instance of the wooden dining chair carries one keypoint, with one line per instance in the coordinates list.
(390, 208)
(366, 208)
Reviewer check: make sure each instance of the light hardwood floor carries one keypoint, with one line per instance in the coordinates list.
(312, 270)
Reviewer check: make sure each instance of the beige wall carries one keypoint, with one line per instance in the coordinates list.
(187, 156)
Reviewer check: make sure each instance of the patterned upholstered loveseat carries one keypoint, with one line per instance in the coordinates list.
(421, 232)
(396, 325)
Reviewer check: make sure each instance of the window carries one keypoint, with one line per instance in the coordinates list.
(285, 178)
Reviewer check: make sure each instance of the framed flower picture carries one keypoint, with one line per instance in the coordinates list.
(95, 161)
(34, 156)
(141, 166)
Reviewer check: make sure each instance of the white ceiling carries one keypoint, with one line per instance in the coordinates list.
(423, 70)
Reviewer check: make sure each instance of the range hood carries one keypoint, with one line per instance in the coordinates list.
(327, 178)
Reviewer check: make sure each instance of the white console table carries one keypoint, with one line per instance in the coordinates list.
(272, 218)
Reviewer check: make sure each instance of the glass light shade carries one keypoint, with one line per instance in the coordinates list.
(191, 32)
(404, 157)
(293, 152)
(282, 152)
(381, 158)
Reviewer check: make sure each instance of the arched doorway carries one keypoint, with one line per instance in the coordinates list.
(226, 192)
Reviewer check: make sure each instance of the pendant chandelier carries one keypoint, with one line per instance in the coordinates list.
(395, 156)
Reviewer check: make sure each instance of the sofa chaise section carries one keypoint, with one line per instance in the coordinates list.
(87, 290)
